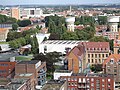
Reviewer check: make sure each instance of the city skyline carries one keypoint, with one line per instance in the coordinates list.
(55, 2)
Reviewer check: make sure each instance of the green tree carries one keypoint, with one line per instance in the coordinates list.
(35, 45)
(102, 20)
(98, 39)
(69, 36)
(50, 59)
(15, 26)
(24, 23)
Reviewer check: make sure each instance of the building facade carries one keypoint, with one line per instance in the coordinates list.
(7, 69)
(96, 52)
(62, 46)
(85, 54)
(37, 68)
(89, 82)
(75, 59)
(25, 13)
(111, 66)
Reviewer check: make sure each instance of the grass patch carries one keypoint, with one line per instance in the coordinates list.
(23, 58)
(3, 42)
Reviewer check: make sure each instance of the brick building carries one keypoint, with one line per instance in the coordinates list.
(87, 53)
(34, 67)
(74, 59)
(111, 66)
(89, 82)
(7, 69)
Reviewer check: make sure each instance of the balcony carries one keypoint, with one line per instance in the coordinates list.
(82, 81)
(81, 86)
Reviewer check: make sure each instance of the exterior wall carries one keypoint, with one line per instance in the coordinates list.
(15, 13)
(73, 63)
(114, 70)
(116, 50)
(3, 34)
(38, 73)
(7, 69)
(89, 83)
(30, 12)
(41, 71)
(113, 27)
(96, 58)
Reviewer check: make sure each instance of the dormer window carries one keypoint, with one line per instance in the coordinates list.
(111, 60)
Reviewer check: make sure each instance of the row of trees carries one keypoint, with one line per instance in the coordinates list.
(84, 20)
(18, 39)
(55, 24)
(88, 20)
(12, 35)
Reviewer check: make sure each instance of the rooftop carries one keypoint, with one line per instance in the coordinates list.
(29, 62)
(63, 71)
(13, 84)
(53, 85)
(92, 75)
(61, 42)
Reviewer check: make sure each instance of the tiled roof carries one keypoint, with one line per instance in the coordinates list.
(116, 58)
(96, 44)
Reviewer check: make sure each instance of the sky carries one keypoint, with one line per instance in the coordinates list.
(57, 2)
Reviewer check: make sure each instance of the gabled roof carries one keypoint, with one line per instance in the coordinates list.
(77, 51)
(116, 58)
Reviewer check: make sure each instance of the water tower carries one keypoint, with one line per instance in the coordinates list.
(113, 23)
(70, 23)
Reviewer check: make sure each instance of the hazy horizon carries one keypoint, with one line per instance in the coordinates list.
(56, 2)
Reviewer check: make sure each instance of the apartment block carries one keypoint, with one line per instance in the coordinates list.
(111, 66)
(34, 67)
(89, 82)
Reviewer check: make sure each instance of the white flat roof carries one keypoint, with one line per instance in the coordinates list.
(61, 42)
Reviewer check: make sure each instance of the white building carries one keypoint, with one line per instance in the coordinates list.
(57, 45)
(113, 23)
(59, 73)
(70, 23)
(30, 12)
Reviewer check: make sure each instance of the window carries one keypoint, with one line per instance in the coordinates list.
(112, 60)
(92, 61)
(103, 55)
(99, 55)
(96, 55)
(103, 80)
(92, 84)
(92, 79)
(99, 60)
(88, 55)
(106, 55)
(92, 55)
(69, 84)
(115, 70)
(103, 85)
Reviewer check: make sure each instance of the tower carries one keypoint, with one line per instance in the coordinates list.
(70, 23)
(113, 23)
